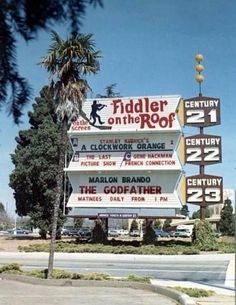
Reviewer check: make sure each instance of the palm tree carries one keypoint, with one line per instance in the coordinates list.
(109, 92)
(67, 62)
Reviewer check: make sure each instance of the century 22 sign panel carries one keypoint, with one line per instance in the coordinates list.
(203, 149)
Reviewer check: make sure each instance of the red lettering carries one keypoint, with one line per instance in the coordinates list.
(145, 120)
(139, 106)
(126, 189)
(87, 189)
(150, 121)
(116, 105)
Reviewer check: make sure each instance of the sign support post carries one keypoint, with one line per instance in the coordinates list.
(202, 172)
(199, 79)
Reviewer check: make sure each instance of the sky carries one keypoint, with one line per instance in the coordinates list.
(148, 48)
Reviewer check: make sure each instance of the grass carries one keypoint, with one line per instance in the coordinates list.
(194, 292)
(62, 274)
(170, 247)
(139, 279)
(228, 239)
(13, 268)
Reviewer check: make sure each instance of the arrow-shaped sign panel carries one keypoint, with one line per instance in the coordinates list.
(201, 111)
(204, 189)
(125, 152)
(136, 189)
(150, 113)
(203, 149)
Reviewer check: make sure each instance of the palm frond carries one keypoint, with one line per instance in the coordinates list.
(20, 96)
(67, 62)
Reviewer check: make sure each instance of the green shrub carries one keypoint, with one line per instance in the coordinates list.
(226, 247)
(167, 247)
(149, 236)
(228, 239)
(76, 276)
(96, 276)
(204, 237)
(191, 251)
(11, 268)
(40, 274)
(136, 278)
(195, 292)
(34, 248)
(99, 235)
(61, 274)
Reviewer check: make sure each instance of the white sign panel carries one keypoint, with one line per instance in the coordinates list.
(124, 190)
(204, 189)
(153, 113)
(203, 149)
(124, 152)
(202, 111)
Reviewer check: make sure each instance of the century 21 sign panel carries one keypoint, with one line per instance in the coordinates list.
(202, 111)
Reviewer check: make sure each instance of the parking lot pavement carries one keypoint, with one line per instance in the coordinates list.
(12, 292)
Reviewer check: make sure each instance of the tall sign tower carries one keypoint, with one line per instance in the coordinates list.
(202, 149)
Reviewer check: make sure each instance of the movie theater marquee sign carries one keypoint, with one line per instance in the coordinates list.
(137, 189)
(128, 114)
(134, 141)
(125, 152)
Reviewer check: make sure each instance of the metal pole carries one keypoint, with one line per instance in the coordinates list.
(201, 172)
(64, 187)
(199, 79)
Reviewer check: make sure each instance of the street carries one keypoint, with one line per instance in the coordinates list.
(209, 269)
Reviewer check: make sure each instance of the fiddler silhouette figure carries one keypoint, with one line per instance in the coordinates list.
(93, 115)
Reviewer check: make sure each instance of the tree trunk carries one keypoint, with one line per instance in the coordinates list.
(59, 185)
(43, 234)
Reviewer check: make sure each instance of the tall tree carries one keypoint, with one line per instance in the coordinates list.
(68, 62)
(227, 219)
(5, 220)
(134, 225)
(35, 160)
(78, 222)
(185, 211)
(109, 92)
(166, 224)
(2, 208)
(157, 224)
(24, 19)
(196, 214)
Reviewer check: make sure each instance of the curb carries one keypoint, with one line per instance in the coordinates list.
(182, 298)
